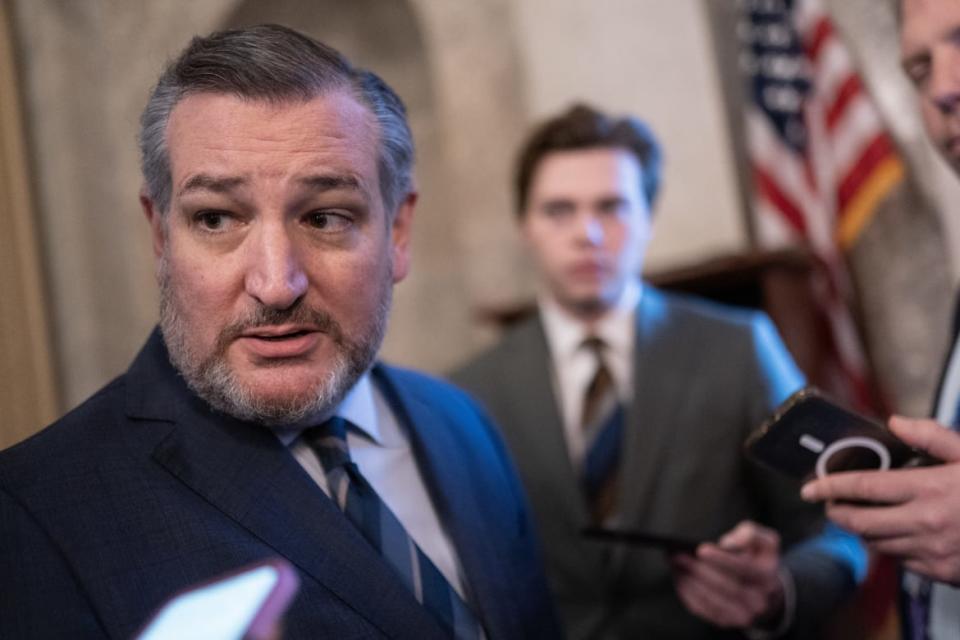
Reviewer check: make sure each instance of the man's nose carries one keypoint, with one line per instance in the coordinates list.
(945, 79)
(590, 229)
(275, 273)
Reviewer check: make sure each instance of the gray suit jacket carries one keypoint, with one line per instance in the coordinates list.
(705, 376)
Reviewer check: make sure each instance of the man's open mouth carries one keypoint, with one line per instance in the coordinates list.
(281, 342)
(281, 337)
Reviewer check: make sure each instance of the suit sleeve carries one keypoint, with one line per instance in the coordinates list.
(39, 596)
(825, 562)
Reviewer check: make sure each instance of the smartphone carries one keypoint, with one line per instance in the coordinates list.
(669, 544)
(810, 436)
(248, 603)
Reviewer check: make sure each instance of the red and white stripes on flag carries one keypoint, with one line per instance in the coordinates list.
(820, 157)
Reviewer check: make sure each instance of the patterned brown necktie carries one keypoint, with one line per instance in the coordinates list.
(602, 424)
(600, 394)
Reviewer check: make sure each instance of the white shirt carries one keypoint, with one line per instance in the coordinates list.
(944, 599)
(575, 365)
(382, 452)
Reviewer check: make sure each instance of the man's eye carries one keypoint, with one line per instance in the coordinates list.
(613, 207)
(557, 209)
(328, 221)
(918, 73)
(212, 220)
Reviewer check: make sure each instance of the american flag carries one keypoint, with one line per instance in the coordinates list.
(820, 157)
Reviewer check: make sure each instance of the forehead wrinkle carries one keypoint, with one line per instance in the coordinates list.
(278, 142)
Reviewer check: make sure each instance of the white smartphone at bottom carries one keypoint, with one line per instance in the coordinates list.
(248, 603)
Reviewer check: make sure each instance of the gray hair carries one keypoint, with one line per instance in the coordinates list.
(275, 64)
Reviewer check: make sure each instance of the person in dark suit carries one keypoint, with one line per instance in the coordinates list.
(914, 514)
(255, 422)
(685, 381)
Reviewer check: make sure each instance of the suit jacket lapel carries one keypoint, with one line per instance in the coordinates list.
(534, 403)
(535, 431)
(247, 474)
(439, 451)
(954, 330)
(648, 418)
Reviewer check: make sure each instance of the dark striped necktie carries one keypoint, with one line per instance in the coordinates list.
(602, 424)
(383, 530)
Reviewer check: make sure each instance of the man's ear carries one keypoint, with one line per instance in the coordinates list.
(155, 218)
(400, 237)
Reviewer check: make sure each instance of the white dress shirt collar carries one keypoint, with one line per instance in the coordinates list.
(565, 333)
(573, 366)
(360, 409)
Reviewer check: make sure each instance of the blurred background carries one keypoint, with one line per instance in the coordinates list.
(77, 292)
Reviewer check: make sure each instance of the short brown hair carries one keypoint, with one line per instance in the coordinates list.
(583, 127)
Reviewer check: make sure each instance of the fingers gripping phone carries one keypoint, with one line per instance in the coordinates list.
(809, 435)
(245, 604)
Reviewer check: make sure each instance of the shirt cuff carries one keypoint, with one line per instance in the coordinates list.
(789, 609)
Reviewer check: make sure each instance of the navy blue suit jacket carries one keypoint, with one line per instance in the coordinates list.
(143, 490)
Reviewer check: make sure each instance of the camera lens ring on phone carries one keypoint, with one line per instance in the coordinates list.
(855, 441)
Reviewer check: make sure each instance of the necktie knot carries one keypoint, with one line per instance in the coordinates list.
(599, 396)
(594, 344)
(602, 424)
(329, 441)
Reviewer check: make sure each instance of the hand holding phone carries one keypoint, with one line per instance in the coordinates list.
(912, 515)
(810, 436)
(245, 604)
(734, 582)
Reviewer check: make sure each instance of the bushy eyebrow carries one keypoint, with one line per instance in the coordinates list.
(913, 59)
(318, 182)
(206, 182)
(329, 182)
(613, 199)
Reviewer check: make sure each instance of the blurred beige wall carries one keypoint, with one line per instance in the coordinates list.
(654, 59)
(27, 386)
(475, 74)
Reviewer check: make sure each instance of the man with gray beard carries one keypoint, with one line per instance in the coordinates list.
(255, 422)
